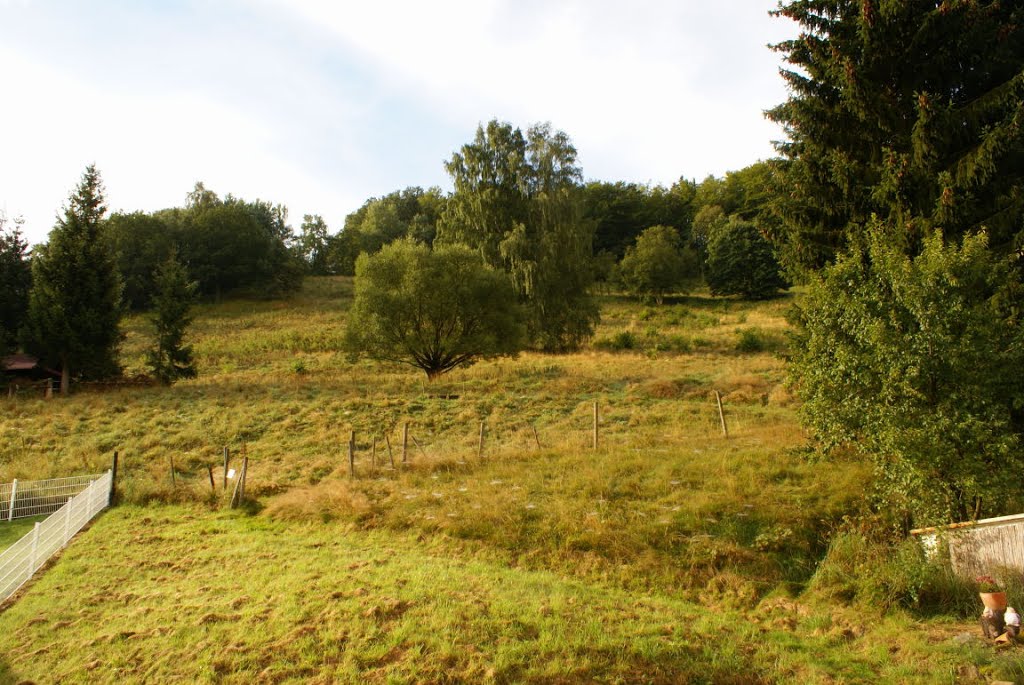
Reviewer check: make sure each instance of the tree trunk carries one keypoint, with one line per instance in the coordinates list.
(65, 379)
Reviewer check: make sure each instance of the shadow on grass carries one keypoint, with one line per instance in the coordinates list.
(7, 674)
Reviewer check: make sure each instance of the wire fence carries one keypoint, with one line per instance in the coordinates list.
(22, 559)
(26, 498)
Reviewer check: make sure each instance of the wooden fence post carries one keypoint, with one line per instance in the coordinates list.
(213, 487)
(480, 447)
(404, 442)
(535, 436)
(234, 493)
(596, 418)
(226, 460)
(245, 477)
(721, 414)
(391, 456)
(174, 478)
(113, 480)
(373, 453)
(352, 454)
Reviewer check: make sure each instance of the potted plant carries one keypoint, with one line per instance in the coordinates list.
(992, 594)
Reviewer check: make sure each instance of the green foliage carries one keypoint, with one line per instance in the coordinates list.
(621, 211)
(909, 360)
(907, 111)
(657, 265)
(226, 245)
(140, 243)
(434, 310)
(409, 213)
(231, 245)
(15, 283)
(312, 244)
(750, 341)
(740, 261)
(170, 359)
(517, 202)
(887, 574)
(623, 340)
(75, 304)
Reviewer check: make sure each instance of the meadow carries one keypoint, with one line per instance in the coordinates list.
(670, 553)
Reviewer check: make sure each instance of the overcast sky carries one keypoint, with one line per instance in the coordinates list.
(320, 105)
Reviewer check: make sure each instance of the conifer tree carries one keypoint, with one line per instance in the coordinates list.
(15, 281)
(911, 111)
(75, 303)
(170, 359)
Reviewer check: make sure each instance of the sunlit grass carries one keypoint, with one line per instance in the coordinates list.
(667, 523)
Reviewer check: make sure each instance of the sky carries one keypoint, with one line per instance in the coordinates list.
(321, 105)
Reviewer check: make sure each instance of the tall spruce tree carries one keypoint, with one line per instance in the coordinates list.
(910, 111)
(904, 187)
(75, 303)
(15, 282)
(518, 202)
(170, 358)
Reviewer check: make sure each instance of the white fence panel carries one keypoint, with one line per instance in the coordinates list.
(22, 559)
(25, 498)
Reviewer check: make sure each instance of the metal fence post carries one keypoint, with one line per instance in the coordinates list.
(67, 521)
(14, 494)
(35, 548)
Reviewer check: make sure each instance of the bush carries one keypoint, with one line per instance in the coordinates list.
(906, 359)
(890, 574)
(742, 262)
(657, 265)
(434, 310)
(750, 341)
(623, 340)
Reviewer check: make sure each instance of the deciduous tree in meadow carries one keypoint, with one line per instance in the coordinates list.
(436, 310)
(517, 202)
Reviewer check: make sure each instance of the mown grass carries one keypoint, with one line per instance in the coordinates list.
(666, 511)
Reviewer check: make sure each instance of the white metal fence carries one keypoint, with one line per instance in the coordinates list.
(21, 560)
(25, 498)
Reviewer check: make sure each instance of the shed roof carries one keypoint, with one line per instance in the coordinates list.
(14, 363)
(19, 362)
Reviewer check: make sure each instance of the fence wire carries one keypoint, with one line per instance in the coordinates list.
(26, 498)
(22, 559)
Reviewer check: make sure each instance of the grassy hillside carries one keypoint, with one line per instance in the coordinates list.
(670, 551)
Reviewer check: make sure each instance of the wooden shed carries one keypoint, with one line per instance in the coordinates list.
(24, 369)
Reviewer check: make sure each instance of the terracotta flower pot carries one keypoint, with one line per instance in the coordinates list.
(993, 600)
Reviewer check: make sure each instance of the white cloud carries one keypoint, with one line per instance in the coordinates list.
(647, 89)
(150, 147)
(321, 104)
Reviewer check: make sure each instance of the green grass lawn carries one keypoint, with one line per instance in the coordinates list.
(12, 531)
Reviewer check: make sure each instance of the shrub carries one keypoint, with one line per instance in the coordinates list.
(434, 310)
(742, 262)
(623, 340)
(750, 340)
(890, 574)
